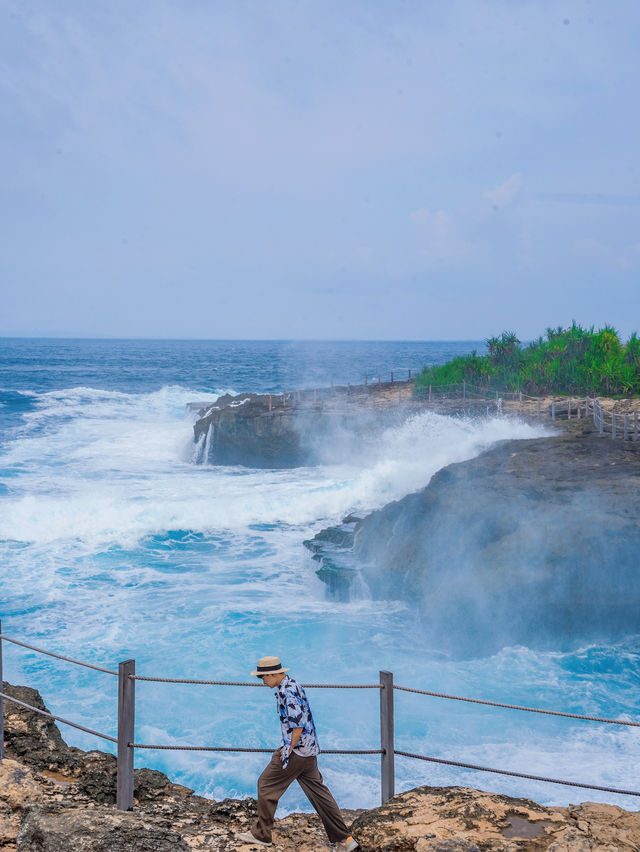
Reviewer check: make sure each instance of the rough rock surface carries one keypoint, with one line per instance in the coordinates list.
(459, 819)
(55, 810)
(534, 540)
(289, 430)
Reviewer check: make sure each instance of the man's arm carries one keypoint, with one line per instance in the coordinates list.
(286, 750)
(295, 736)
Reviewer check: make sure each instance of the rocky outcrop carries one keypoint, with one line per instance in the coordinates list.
(56, 798)
(300, 428)
(332, 548)
(458, 819)
(532, 541)
(45, 809)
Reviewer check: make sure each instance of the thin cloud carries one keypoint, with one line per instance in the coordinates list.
(506, 193)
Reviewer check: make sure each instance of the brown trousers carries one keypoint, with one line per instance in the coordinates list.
(275, 780)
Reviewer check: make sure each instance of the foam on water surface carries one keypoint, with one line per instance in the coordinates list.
(114, 544)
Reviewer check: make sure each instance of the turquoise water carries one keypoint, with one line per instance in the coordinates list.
(114, 544)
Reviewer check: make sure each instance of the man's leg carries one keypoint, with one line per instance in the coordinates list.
(271, 785)
(318, 794)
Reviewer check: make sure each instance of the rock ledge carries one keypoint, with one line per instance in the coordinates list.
(54, 798)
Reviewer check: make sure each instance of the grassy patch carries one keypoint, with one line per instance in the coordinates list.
(571, 360)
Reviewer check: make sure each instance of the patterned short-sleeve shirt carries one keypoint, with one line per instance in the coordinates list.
(294, 712)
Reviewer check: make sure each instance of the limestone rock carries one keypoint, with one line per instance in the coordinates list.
(533, 541)
(459, 819)
(32, 738)
(85, 831)
(68, 810)
(18, 789)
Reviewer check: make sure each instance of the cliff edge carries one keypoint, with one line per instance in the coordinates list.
(533, 541)
(54, 798)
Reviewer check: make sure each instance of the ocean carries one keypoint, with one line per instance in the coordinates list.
(115, 544)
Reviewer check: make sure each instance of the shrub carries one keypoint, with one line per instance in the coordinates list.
(570, 360)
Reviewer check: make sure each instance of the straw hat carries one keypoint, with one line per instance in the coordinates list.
(268, 665)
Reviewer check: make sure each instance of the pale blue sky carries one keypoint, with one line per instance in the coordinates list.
(365, 169)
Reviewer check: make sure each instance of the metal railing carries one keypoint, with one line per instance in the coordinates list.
(126, 743)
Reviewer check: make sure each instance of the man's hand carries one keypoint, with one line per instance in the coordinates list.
(287, 748)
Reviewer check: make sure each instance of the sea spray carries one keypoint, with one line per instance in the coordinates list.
(114, 545)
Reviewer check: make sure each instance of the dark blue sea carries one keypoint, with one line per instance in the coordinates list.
(114, 544)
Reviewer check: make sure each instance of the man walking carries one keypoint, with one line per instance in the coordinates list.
(295, 760)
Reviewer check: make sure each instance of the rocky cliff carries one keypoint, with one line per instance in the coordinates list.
(54, 798)
(534, 541)
(300, 428)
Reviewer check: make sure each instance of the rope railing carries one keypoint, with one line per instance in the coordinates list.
(6, 697)
(246, 750)
(517, 707)
(517, 774)
(252, 683)
(59, 656)
(126, 740)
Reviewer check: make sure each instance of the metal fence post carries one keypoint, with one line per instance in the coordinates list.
(126, 729)
(538, 408)
(553, 411)
(1, 703)
(387, 772)
(613, 424)
(600, 419)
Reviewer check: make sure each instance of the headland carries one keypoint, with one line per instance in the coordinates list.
(55, 798)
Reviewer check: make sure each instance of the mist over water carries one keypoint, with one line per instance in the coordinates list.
(114, 544)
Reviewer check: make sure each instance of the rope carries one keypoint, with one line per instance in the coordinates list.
(518, 707)
(245, 750)
(518, 774)
(59, 656)
(253, 683)
(58, 718)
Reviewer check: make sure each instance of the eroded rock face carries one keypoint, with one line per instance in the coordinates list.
(459, 819)
(534, 541)
(44, 810)
(300, 428)
(78, 829)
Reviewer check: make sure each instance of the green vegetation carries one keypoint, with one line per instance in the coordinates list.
(571, 360)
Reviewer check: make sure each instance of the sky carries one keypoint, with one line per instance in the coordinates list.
(357, 169)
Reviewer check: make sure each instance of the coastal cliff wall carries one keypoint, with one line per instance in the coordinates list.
(533, 541)
(302, 428)
(54, 798)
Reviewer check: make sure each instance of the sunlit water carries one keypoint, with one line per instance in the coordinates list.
(115, 545)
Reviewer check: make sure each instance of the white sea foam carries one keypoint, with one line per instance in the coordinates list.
(104, 468)
(116, 545)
